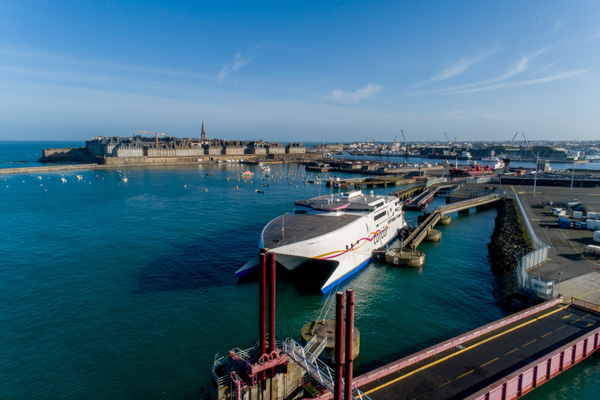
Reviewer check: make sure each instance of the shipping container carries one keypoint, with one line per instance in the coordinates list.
(564, 223)
(577, 214)
(597, 236)
(592, 215)
(592, 224)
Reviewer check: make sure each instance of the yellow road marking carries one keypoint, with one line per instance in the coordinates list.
(558, 329)
(465, 374)
(444, 384)
(549, 333)
(489, 362)
(528, 343)
(512, 351)
(567, 316)
(590, 292)
(418, 397)
(462, 351)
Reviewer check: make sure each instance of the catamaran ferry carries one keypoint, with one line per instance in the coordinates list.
(339, 231)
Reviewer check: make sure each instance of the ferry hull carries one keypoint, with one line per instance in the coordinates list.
(348, 248)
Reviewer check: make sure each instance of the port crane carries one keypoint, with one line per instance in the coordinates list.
(448, 142)
(405, 147)
(379, 149)
(508, 144)
(153, 133)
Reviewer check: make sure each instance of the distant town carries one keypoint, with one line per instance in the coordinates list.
(157, 148)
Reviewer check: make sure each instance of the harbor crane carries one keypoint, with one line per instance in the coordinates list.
(508, 144)
(379, 149)
(405, 147)
(153, 133)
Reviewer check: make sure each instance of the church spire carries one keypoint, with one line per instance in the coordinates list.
(203, 135)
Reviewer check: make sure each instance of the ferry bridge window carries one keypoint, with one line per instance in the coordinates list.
(380, 215)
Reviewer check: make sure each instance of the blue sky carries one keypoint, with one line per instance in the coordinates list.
(300, 71)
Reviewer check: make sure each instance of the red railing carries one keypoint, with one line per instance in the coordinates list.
(585, 304)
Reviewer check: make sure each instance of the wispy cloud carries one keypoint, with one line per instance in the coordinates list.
(528, 82)
(237, 63)
(522, 65)
(357, 95)
(460, 66)
(558, 24)
(519, 67)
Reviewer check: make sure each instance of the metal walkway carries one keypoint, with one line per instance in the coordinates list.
(320, 371)
(417, 236)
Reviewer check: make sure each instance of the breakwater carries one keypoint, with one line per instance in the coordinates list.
(49, 168)
(508, 244)
(115, 163)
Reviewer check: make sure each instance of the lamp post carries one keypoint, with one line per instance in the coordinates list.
(559, 276)
(572, 174)
(537, 162)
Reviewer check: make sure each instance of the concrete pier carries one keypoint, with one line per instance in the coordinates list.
(326, 330)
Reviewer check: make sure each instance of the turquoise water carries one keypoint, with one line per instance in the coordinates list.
(114, 290)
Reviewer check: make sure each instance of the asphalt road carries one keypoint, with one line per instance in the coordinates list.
(472, 366)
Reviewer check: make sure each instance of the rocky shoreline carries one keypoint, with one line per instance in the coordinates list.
(509, 242)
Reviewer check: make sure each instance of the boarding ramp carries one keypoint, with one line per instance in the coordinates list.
(417, 236)
(409, 191)
(426, 196)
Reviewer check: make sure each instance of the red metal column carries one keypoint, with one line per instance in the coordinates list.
(339, 345)
(272, 303)
(262, 303)
(349, 343)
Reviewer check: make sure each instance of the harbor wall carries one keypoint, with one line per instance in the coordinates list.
(120, 161)
(114, 162)
(530, 181)
(509, 242)
(48, 168)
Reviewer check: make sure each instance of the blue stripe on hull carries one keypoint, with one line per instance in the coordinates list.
(348, 275)
(245, 272)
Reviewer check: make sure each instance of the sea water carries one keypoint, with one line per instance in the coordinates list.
(126, 290)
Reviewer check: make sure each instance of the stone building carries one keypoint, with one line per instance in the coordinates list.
(275, 148)
(295, 148)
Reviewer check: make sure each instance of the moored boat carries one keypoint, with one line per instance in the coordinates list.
(492, 162)
(338, 233)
